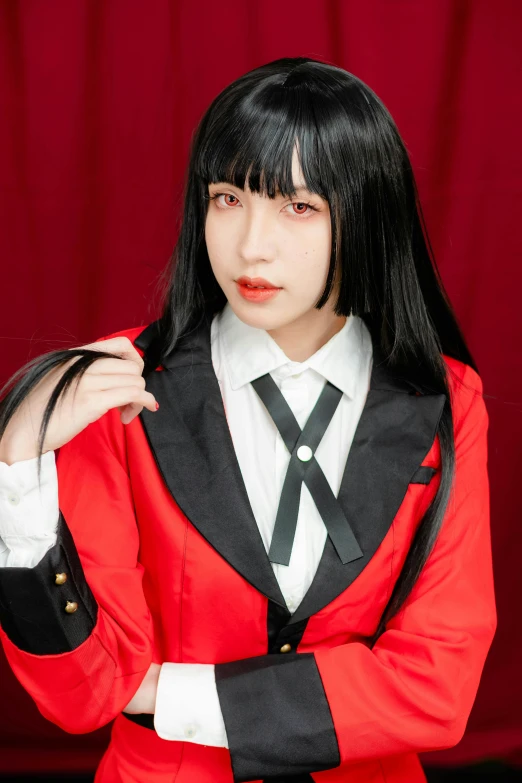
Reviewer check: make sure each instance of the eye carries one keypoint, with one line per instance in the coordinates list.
(228, 196)
(233, 201)
(302, 207)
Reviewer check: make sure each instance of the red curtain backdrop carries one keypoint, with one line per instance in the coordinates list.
(98, 101)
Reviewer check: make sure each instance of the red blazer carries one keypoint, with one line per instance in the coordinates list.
(165, 561)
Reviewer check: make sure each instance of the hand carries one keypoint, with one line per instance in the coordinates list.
(144, 700)
(107, 383)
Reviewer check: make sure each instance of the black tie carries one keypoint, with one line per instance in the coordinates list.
(304, 467)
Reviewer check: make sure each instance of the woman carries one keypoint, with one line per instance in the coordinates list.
(241, 608)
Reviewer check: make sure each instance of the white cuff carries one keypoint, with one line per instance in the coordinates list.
(187, 705)
(29, 513)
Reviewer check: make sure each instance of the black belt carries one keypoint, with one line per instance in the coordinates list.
(304, 467)
(144, 719)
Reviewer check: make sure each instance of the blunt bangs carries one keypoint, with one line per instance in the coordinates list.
(256, 143)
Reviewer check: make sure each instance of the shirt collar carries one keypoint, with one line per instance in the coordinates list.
(249, 352)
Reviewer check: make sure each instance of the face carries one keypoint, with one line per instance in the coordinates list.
(286, 241)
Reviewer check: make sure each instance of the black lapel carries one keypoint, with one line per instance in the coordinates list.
(192, 445)
(395, 432)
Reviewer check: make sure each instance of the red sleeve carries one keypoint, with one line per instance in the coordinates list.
(413, 691)
(83, 668)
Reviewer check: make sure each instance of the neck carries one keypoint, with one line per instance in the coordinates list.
(303, 337)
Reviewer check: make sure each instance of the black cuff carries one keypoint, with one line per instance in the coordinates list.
(277, 716)
(33, 601)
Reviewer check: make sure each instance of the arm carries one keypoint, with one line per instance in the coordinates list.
(82, 667)
(414, 690)
(29, 522)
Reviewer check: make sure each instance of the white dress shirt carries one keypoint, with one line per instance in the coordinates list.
(187, 705)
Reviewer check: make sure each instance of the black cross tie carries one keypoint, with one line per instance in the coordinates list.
(304, 467)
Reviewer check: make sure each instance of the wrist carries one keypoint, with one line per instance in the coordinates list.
(153, 679)
(11, 452)
(11, 457)
(144, 700)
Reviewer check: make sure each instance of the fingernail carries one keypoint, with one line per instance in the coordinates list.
(157, 405)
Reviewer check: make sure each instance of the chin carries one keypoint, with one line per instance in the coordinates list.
(259, 316)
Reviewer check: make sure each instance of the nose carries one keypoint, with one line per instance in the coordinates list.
(258, 240)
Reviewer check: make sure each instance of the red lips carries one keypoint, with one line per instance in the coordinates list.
(255, 281)
(246, 288)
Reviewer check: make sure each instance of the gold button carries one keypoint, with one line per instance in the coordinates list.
(286, 648)
(60, 579)
(71, 606)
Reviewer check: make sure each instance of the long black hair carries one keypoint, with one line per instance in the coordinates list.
(352, 155)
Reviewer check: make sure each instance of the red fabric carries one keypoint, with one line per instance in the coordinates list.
(182, 601)
(98, 102)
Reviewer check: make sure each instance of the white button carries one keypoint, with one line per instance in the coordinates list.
(190, 731)
(13, 498)
(304, 453)
(290, 603)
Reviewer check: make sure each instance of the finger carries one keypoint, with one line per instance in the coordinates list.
(101, 381)
(121, 345)
(129, 412)
(107, 365)
(113, 398)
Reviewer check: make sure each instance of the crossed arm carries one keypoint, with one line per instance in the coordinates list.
(411, 692)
